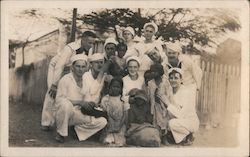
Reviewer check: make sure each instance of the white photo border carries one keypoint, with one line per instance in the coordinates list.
(243, 132)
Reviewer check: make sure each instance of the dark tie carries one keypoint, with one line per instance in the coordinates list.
(157, 98)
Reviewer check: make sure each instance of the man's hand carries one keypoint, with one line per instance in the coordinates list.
(92, 104)
(52, 91)
(88, 106)
(108, 78)
(105, 67)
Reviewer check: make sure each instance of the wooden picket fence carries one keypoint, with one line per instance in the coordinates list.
(220, 90)
(28, 84)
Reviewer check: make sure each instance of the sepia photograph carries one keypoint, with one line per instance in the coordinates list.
(106, 78)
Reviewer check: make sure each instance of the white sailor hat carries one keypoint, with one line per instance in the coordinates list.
(151, 24)
(96, 57)
(174, 46)
(175, 69)
(110, 41)
(78, 57)
(130, 29)
(137, 59)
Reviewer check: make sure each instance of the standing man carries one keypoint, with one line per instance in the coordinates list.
(56, 70)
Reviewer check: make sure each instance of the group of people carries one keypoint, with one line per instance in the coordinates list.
(133, 93)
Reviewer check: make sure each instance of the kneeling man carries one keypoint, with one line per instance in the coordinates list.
(70, 100)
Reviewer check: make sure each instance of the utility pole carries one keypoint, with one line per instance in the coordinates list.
(139, 31)
(73, 27)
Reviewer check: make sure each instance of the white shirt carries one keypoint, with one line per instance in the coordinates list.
(185, 106)
(142, 47)
(131, 51)
(185, 111)
(68, 89)
(129, 84)
(62, 59)
(91, 88)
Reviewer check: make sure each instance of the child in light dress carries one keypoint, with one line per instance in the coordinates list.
(114, 133)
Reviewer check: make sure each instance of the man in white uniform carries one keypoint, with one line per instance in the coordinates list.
(149, 29)
(184, 120)
(69, 101)
(93, 79)
(192, 73)
(56, 70)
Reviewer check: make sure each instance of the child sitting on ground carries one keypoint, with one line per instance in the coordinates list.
(140, 130)
(113, 134)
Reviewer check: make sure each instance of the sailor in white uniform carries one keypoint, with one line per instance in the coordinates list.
(59, 65)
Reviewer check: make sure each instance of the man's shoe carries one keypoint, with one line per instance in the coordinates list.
(59, 138)
(45, 128)
(186, 143)
(190, 137)
(188, 140)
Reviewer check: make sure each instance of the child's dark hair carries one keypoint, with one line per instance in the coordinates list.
(120, 81)
(158, 68)
(122, 44)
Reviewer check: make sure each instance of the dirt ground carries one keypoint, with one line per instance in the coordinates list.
(24, 131)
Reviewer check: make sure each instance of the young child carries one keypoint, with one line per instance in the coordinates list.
(116, 65)
(160, 95)
(119, 62)
(113, 135)
(140, 130)
(121, 49)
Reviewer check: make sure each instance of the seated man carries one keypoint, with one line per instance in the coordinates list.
(184, 120)
(69, 101)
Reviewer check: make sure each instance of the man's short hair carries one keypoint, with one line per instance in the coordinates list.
(88, 34)
(122, 45)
